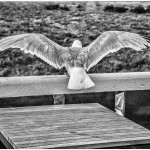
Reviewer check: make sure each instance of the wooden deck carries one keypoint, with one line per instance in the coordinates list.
(68, 126)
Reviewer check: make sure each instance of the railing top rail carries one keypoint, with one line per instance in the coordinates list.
(57, 84)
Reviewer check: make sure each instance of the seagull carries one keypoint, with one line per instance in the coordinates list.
(76, 59)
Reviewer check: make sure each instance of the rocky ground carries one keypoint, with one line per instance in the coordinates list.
(63, 23)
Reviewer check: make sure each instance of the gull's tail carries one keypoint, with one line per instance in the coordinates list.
(79, 79)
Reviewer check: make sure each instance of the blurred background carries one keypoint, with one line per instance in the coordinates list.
(66, 21)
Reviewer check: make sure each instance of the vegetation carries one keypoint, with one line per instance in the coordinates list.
(119, 9)
(56, 7)
(148, 9)
(122, 9)
(139, 9)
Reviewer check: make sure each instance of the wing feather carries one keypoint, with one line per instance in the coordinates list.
(112, 41)
(36, 44)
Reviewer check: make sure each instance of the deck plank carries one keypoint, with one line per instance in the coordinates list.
(69, 126)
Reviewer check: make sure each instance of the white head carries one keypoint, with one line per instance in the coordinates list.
(77, 43)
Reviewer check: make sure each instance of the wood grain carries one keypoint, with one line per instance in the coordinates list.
(69, 126)
(57, 84)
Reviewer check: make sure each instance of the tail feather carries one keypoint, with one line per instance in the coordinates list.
(79, 79)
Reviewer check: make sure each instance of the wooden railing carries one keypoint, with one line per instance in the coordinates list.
(134, 85)
(57, 84)
(133, 88)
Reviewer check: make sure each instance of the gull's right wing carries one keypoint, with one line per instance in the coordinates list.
(36, 44)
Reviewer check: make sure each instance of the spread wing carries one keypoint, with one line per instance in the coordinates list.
(36, 44)
(112, 41)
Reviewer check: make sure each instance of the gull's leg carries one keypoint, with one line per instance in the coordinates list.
(67, 74)
(59, 99)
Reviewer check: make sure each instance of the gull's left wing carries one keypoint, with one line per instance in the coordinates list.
(112, 41)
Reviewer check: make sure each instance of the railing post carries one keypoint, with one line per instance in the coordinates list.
(120, 103)
(138, 107)
(59, 99)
